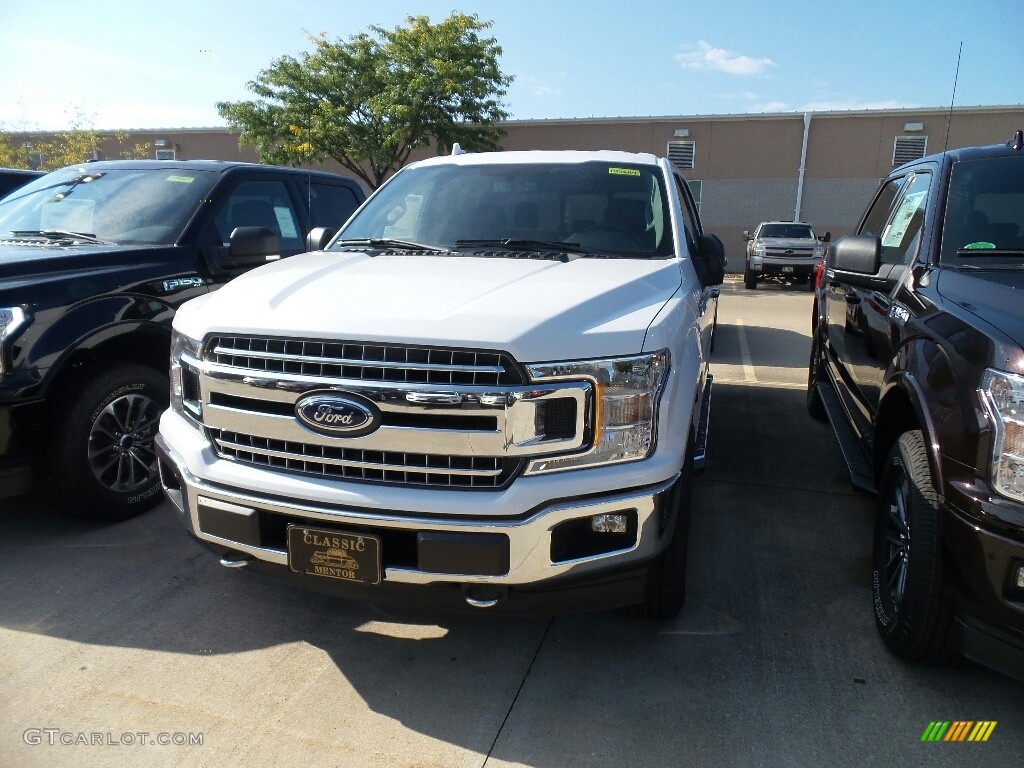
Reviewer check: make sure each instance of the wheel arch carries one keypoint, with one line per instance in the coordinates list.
(901, 409)
(144, 343)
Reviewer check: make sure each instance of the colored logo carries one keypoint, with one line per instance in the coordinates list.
(958, 730)
(337, 414)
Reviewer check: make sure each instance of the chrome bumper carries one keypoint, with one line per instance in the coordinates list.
(529, 536)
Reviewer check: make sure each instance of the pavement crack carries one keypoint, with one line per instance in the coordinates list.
(522, 683)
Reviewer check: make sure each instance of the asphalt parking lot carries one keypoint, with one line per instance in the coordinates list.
(116, 637)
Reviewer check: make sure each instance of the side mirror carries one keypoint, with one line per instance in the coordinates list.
(746, 234)
(860, 254)
(319, 237)
(857, 260)
(249, 247)
(710, 260)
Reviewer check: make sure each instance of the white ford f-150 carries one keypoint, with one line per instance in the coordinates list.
(491, 388)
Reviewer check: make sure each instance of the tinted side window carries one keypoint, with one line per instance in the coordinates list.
(261, 204)
(689, 220)
(902, 235)
(878, 215)
(329, 205)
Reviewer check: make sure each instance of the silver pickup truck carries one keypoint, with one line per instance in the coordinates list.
(783, 249)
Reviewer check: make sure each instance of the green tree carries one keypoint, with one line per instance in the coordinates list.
(370, 101)
(75, 145)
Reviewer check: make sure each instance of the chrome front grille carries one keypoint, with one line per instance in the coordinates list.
(367, 466)
(364, 362)
(793, 253)
(445, 418)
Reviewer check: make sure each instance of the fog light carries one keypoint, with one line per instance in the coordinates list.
(1020, 577)
(618, 523)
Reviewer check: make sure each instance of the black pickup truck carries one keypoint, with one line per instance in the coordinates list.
(918, 361)
(94, 261)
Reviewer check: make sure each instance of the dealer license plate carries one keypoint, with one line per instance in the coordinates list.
(334, 554)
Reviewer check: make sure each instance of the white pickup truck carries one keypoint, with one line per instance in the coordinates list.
(491, 388)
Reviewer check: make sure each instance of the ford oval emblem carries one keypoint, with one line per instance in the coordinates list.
(338, 414)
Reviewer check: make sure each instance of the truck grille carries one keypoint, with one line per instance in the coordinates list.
(392, 467)
(365, 362)
(442, 418)
(790, 253)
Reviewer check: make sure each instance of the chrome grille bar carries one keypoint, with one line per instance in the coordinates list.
(305, 458)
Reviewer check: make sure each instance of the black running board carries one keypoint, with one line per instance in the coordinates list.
(700, 443)
(861, 475)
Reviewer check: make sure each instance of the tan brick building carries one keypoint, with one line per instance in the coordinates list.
(820, 167)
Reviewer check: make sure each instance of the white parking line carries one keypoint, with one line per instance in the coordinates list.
(748, 365)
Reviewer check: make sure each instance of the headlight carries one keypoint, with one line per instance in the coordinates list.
(185, 358)
(759, 250)
(625, 415)
(1003, 394)
(12, 320)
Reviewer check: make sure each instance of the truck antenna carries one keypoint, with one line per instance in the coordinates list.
(949, 117)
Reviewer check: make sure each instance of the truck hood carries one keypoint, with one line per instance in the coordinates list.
(997, 298)
(535, 309)
(31, 261)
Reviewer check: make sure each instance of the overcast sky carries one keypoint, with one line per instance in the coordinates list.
(144, 64)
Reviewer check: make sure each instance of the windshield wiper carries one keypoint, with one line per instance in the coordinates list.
(387, 242)
(60, 234)
(521, 244)
(980, 253)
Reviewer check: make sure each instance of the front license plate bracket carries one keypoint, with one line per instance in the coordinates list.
(332, 554)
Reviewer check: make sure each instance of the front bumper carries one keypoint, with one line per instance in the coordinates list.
(547, 559)
(772, 265)
(981, 570)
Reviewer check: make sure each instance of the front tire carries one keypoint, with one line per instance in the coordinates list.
(913, 610)
(749, 279)
(102, 464)
(666, 588)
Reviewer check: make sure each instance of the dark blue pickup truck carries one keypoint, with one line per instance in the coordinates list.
(94, 261)
(918, 361)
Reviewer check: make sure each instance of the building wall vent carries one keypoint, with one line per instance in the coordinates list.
(907, 148)
(680, 153)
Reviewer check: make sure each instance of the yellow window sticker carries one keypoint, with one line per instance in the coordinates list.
(624, 171)
(182, 179)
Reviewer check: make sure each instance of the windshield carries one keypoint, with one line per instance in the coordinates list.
(984, 222)
(792, 231)
(593, 207)
(125, 206)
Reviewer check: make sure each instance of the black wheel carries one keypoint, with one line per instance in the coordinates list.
(913, 611)
(815, 374)
(102, 464)
(749, 279)
(666, 589)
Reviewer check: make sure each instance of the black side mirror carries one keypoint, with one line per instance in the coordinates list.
(319, 237)
(249, 247)
(857, 260)
(860, 254)
(826, 238)
(710, 261)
